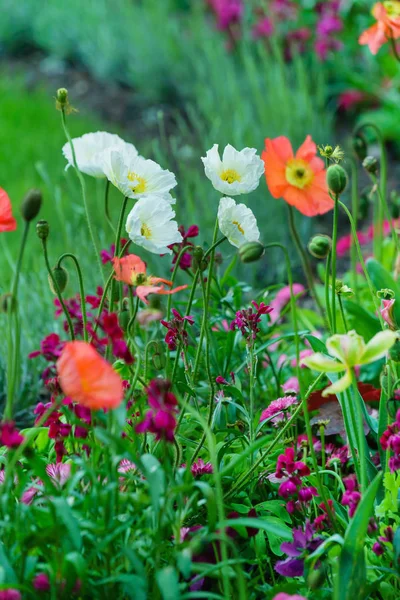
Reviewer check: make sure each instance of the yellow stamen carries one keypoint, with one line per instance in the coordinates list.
(230, 175)
(392, 8)
(298, 173)
(140, 183)
(238, 226)
(145, 231)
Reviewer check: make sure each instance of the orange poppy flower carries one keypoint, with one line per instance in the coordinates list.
(387, 15)
(87, 378)
(299, 179)
(131, 269)
(7, 221)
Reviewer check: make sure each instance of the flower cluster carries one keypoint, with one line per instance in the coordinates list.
(351, 496)
(276, 410)
(247, 320)
(387, 538)
(160, 419)
(390, 440)
(185, 261)
(177, 334)
(293, 471)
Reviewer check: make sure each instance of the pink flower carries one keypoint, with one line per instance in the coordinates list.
(59, 472)
(291, 386)
(303, 354)
(387, 313)
(201, 468)
(247, 320)
(177, 333)
(41, 582)
(126, 466)
(351, 98)
(283, 596)
(351, 496)
(276, 408)
(282, 298)
(264, 28)
(9, 436)
(228, 12)
(10, 594)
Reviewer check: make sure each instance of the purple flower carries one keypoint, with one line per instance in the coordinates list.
(199, 468)
(351, 496)
(10, 594)
(41, 582)
(9, 436)
(247, 320)
(304, 543)
(160, 419)
(177, 333)
(276, 408)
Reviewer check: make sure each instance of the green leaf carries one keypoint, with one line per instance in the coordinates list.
(209, 495)
(67, 517)
(316, 344)
(350, 581)
(268, 524)
(360, 319)
(168, 584)
(155, 477)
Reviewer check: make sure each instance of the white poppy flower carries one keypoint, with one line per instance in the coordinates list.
(237, 222)
(150, 224)
(237, 172)
(89, 149)
(136, 176)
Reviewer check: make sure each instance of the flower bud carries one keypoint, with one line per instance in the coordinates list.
(336, 179)
(62, 99)
(360, 146)
(42, 230)
(344, 290)
(60, 276)
(320, 245)
(31, 204)
(370, 164)
(251, 251)
(123, 318)
(198, 260)
(385, 294)
(7, 303)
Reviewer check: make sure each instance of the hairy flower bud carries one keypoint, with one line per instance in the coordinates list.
(320, 245)
(60, 276)
(370, 164)
(42, 230)
(385, 294)
(31, 204)
(360, 146)
(336, 178)
(198, 260)
(251, 251)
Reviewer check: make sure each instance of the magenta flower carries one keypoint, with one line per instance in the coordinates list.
(351, 496)
(41, 582)
(10, 594)
(227, 12)
(9, 436)
(59, 472)
(160, 419)
(390, 440)
(247, 320)
(186, 258)
(107, 255)
(199, 468)
(284, 596)
(291, 386)
(177, 334)
(276, 409)
(283, 298)
(264, 28)
(115, 333)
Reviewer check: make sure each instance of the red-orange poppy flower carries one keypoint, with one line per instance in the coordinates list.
(299, 179)
(7, 221)
(387, 15)
(131, 269)
(87, 378)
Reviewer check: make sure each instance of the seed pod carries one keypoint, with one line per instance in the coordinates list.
(31, 205)
(336, 178)
(60, 276)
(370, 164)
(320, 245)
(251, 251)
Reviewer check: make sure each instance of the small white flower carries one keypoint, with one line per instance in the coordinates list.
(150, 225)
(89, 150)
(136, 176)
(237, 172)
(237, 222)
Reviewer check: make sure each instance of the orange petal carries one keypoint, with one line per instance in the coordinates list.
(300, 200)
(275, 156)
(177, 289)
(159, 280)
(127, 267)
(374, 38)
(307, 150)
(7, 221)
(142, 291)
(87, 378)
(318, 191)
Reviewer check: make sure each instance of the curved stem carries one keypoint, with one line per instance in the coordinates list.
(305, 262)
(81, 289)
(57, 290)
(83, 189)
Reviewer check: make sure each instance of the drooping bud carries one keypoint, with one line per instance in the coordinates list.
(320, 245)
(60, 276)
(387, 312)
(360, 146)
(370, 164)
(343, 290)
(42, 229)
(31, 204)
(198, 259)
(7, 303)
(251, 251)
(62, 99)
(336, 178)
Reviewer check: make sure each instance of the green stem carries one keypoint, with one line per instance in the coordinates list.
(386, 211)
(394, 48)
(106, 207)
(117, 247)
(305, 262)
(133, 317)
(14, 337)
(83, 189)
(81, 289)
(359, 427)
(327, 301)
(333, 278)
(342, 313)
(57, 290)
(354, 210)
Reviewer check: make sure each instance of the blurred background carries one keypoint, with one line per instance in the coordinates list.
(174, 77)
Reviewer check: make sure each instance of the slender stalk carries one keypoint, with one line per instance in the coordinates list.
(81, 289)
(133, 317)
(117, 247)
(359, 427)
(387, 214)
(354, 210)
(333, 278)
(305, 262)
(106, 207)
(327, 301)
(57, 290)
(14, 336)
(83, 190)
(342, 313)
